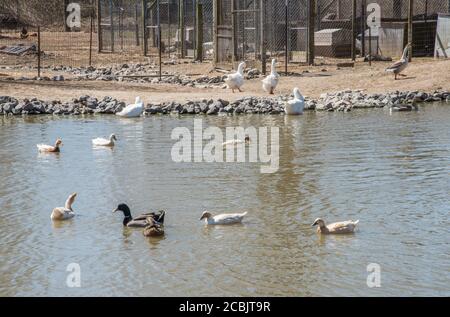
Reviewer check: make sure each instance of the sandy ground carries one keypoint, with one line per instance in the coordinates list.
(422, 74)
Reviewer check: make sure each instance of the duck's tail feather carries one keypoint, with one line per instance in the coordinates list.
(356, 222)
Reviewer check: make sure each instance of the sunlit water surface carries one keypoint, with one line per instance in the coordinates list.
(390, 171)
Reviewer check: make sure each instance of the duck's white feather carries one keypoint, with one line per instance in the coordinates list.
(236, 80)
(132, 111)
(271, 82)
(226, 219)
(44, 147)
(296, 105)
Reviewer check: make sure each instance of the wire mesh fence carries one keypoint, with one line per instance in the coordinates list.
(118, 31)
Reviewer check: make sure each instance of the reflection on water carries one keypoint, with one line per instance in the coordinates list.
(389, 171)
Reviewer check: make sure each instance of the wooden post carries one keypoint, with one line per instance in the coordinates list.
(144, 26)
(353, 30)
(168, 27)
(99, 27)
(233, 33)
(363, 27)
(262, 41)
(90, 36)
(39, 51)
(136, 20)
(111, 17)
(286, 36)
(66, 27)
(311, 26)
(182, 34)
(158, 12)
(215, 31)
(370, 46)
(199, 32)
(410, 28)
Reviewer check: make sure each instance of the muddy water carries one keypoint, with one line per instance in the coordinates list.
(390, 171)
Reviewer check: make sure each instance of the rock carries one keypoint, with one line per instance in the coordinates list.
(58, 78)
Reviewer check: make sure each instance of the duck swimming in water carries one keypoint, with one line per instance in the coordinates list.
(140, 221)
(50, 149)
(223, 219)
(153, 228)
(335, 228)
(66, 212)
(105, 142)
(236, 142)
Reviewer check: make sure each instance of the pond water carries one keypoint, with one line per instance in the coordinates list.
(390, 171)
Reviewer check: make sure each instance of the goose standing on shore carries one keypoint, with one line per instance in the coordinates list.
(66, 212)
(223, 219)
(236, 80)
(50, 149)
(133, 111)
(270, 82)
(335, 228)
(296, 105)
(105, 142)
(400, 65)
(140, 221)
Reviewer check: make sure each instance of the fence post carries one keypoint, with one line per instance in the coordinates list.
(286, 36)
(66, 27)
(91, 31)
(39, 51)
(99, 27)
(215, 31)
(262, 41)
(410, 27)
(353, 30)
(159, 38)
(199, 32)
(136, 20)
(181, 28)
(363, 27)
(144, 26)
(233, 33)
(311, 26)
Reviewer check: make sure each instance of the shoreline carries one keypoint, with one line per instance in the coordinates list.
(343, 101)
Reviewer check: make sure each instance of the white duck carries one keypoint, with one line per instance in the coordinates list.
(223, 219)
(270, 82)
(236, 142)
(296, 105)
(335, 228)
(400, 65)
(236, 80)
(105, 142)
(50, 149)
(134, 110)
(66, 212)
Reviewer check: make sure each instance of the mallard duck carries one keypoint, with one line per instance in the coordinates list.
(140, 221)
(405, 107)
(66, 212)
(400, 65)
(50, 149)
(134, 110)
(153, 229)
(236, 142)
(335, 228)
(223, 219)
(236, 80)
(105, 142)
(296, 105)
(270, 82)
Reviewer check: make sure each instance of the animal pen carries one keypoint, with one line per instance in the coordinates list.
(223, 32)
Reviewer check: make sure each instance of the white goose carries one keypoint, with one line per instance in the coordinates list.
(105, 142)
(400, 65)
(296, 105)
(66, 212)
(236, 80)
(270, 82)
(134, 110)
(223, 219)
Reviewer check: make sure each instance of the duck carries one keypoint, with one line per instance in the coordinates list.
(236, 80)
(140, 221)
(296, 105)
(405, 107)
(66, 212)
(236, 142)
(153, 228)
(105, 142)
(401, 64)
(270, 82)
(223, 219)
(50, 149)
(335, 228)
(134, 110)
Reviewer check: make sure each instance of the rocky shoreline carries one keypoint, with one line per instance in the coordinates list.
(339, 101)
